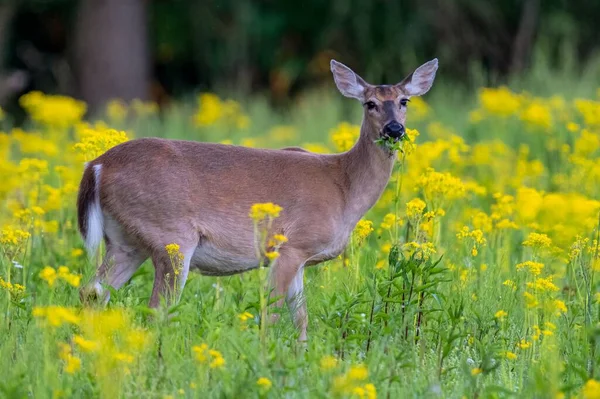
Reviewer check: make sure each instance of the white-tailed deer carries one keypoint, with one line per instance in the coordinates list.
(147, 193)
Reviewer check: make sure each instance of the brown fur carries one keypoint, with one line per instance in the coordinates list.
(154, 192)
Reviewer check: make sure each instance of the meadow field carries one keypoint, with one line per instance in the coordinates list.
(476, 275)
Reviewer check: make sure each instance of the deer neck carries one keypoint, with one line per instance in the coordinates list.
(368, 168)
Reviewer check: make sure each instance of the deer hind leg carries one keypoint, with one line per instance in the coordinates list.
(170, 279)
(296, 302)
(288, 282)
(119, 264)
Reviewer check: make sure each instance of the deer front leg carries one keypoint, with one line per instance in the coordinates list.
(169, 279)
(287, 279)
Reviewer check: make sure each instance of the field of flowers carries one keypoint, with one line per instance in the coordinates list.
(477, 274)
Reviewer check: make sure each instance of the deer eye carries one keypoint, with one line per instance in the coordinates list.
(404, 102)
(371, 105)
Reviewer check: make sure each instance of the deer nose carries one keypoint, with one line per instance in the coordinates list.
(394, 130)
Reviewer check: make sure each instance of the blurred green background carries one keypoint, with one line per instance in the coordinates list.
(162, 50)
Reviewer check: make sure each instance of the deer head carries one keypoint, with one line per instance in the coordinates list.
(384, 105)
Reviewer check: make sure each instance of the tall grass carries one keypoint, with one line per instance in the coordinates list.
(437, 301)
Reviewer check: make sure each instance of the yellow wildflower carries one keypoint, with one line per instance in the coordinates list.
(535, 268)
(358, 373)
(524, 344)
(280, 238)
(123, 357)
(72, 363)
(500, 101)
(344, 136)
(362, 230)
(272, 255)
(172, 249)
(84, 344)
(591, 389)
(264, 383)
(245, 316)
(217, 363)
(259, 212)
(388, 221)
(530, 300)
(536, 240)
(56, 315)
(414, 209)
(500, 315)
(328, 362)
(560, 306)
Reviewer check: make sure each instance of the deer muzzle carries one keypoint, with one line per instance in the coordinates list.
(394, 130)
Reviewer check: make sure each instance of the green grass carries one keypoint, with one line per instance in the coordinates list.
(421, 328)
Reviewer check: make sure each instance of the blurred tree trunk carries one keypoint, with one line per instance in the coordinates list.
(111, 51)
(13, 81)
(525, 36)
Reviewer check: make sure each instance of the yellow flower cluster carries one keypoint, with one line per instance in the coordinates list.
(244, 318)
(439, 188)
(344, 136)
(110, 342)
(591, 389)
(213, 357)
(501, 314)
(16, 291)
(409, 145)
(96, 141)
(542, 284)
(535, 268)
(172, 249)
(13, 236)
(418, 109)
(56, 316)
(362, 230)
(389, 221)
(536, 240)
(500, 101)
(532, 111)
(50, 275)
(72, 363)
(213, 110)
(264, 383)
(117, 110)
(54, 111)
(419, 251)
(273, 246)
(328, 362)
(34, 143)
(175, 257)
(589, 110)
(353, 382)
(263, 211)
(474, 238)
(414, 210)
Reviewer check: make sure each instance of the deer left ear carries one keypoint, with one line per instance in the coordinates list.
(347, 81)
(420, 81)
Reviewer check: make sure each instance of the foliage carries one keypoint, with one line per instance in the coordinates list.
(476, 273)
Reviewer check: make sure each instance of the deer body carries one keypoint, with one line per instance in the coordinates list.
(147, 193)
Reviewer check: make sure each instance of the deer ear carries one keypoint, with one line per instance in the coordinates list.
(348, 83)
(420, 81)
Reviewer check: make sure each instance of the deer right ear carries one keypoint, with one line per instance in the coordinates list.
(348, 83)
(420, 81)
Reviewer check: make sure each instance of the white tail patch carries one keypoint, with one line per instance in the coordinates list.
(95, 219)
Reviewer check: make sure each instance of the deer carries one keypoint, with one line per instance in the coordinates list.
(146, 193)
